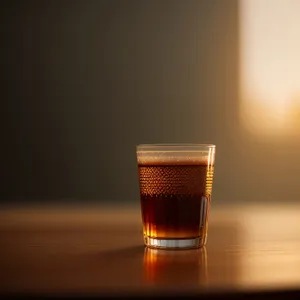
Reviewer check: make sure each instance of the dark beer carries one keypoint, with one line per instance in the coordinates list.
(175, 199)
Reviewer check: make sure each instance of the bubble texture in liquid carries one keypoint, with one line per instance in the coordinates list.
(175, 199)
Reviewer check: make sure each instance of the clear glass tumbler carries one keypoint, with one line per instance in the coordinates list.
(175, 182)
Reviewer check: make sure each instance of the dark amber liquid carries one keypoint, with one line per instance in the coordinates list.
(175, 199)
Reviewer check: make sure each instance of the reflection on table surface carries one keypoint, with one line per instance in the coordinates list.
(171, 267)
(88, 251)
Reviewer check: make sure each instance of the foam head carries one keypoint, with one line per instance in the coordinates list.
(180, 154)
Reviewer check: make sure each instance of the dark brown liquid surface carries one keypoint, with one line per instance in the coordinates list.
(175, 199)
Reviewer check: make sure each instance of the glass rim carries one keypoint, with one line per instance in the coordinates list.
(174, 147)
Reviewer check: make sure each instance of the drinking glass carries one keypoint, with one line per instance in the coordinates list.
(175, 183)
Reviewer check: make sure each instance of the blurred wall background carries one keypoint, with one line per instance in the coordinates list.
(85, 81)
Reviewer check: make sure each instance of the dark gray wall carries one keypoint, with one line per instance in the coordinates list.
(85, 81)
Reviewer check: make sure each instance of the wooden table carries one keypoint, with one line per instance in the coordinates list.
(87, 251)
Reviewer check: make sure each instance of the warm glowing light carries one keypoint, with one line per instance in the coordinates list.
(270, 65)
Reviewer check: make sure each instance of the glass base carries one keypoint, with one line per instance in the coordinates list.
(189, 243)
